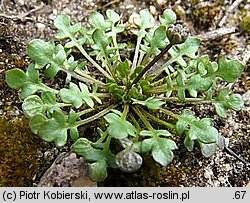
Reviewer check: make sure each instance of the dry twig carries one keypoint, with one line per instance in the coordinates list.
(228, 11)
(214, 34)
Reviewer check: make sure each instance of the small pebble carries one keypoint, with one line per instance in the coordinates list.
(20, 2)
(208, 173)
(152, 10)
(161, 2)
(40, 26)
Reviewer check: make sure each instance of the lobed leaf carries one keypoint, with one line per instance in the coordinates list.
(168, 17)
(28, 82)
(151, 102)
(229, 70)
(156, 41)
(187, 48)
(118, 127)
(97, 21)
(62, 23)
(47, 54)
(226, 101)
(51, 130)
(145, 20)
(76, 96)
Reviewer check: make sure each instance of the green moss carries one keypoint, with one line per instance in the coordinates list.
(150, 175)
(18, 149)
(204, 16)
(245, 25)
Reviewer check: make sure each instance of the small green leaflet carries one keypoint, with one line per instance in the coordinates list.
(62, 23)
(197, 83)
(52, 129)
(229, 70)
(98, 171)
(168, 17)
(158, 40)
(151, 102)
(144, 21)
(197, 130)
(28, 82)
(47, 54)
(101, 43)
(200, 130)
(123, 69)
(33, 104)
(76, 96)
(97, 21)
(161, 148)
(119, 127)
(226, 101)
(187, 48)
(100, 158)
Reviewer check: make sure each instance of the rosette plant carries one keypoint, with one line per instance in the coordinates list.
(126, 97)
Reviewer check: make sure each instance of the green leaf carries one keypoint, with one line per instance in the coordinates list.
(86, 95)
(16, 78)
(97, 21)
(208, 149)
(112, 16)
(101, 42)
(53, 129)
(123, 69)
(49, 100)
(33, 105)
(200, 130)
(98, 171)
(161, 148)
(226, 101)
(62, 23)
(168, 17)
(72, 95)
(75, 96)
(203, 131)
(156, 41)
(162, 151)
(145, 20)
(28, 82)
(41, 52)
(189, 144)
(151, 102)
(229, 70)
(196, 84)
(118, 127)
(147, 145)
(180, 80)
(47, 54)
(37, 122)
(84, 148)
(188, 48)
(74, 134)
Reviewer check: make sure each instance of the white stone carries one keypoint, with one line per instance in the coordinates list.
(40, 26)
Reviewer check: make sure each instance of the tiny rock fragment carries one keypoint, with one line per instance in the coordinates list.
(40, 26)
(152, 10)
(161, 2)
